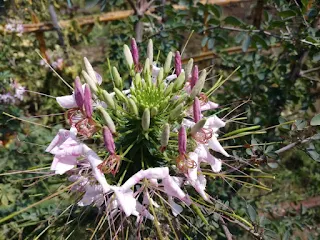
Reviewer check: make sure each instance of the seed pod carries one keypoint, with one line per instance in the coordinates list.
(176, 112)
(195, 76)
(133, 107)
(160, 76)
(189, 68)
(117, 78)
(146, 72)
(134, 98)
(88, 102)
(169, 89)
(145, 121)
(128, 56)
(90, 70)
(198, 126)
(137, 81)
(135, 52)
(150, 51)
(108, 140)
(182, 140)
(107, 98)
(196, 110)
(78, 92)
(179, 82)
(167, 64)
(177, 63)
(199, 85)
(107, 119)
(153, 111)
(165, 135)
(90, 81)
(120, 95)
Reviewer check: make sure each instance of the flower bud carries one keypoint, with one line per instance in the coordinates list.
(117, 78)
(196, 110)
(146, 72)
(133, 107)
(107, 98)
(108, 140)
(189, 68)
(78, 92)
(107, 119)
(153, 111)
(137, 81)
(169, 89)
(134, 52)
(167, 64)
(177, 63)
(176, 111)
(90, 70)
(87, 101)
(165, 135)
(90, 81)
(128, 56)
(199, 85)
(198, 126)
(182, 140)
(145, 121)
(120, 95)
(195, 76)
(150, 51)
(179, 82)
(160, 77)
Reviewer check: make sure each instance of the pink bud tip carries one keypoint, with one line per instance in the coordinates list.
(182, 140)
(196, 110)
(88, 101)
(134, 52)
(177, 61)
(78, 92)
(195, 76)
(108, 141)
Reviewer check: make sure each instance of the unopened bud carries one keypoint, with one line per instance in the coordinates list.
(177, 63)
(128, 56)
(167, 64)
(107, 98)
(150, 51)
(117, 78)
(169, 89)
(90, 70)
(199, 85)
(182, 140)
(176, 112)
(108, 140)
(133, 106)
(145, 121)
(137, 81)
(196, 110)
(135, 52)
(153, 111)
(107, 119)
(146, 72)
(165, 135)
(198, 126)
(189, 68)
(120, 95)
(87, 102)
(78, 92)
(90, 81)
(179, 82)
(160, 77)
(195, 76)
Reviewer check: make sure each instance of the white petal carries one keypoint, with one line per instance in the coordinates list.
(63, 164)
(214, 123)
(193, 172)
(172, 189)
(216, 146)
(187, 123)
(209, 105)
(67, 101)
(175, 208)
(126, 202)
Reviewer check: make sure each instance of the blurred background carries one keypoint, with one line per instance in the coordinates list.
(276, 44)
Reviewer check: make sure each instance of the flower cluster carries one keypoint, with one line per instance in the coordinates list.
(151, 140)
(15, 93)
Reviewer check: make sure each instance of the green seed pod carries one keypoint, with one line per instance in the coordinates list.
(167, 64)
(197, 127)
(107, 119)
(153, 111)
(179, 82)
(150, 51)
(176, 112)
(117, 78)
(199, 85)
(145, 121)
(90, 70)
(189, 68)
(133, 107)
(181, 99)
(160, 77)
(120, 95)
(107, 98)
(128, 56)
(92, 84)
(169, 89)
(137, 81)
(134, 98)
(165, 135)
(162, 86)
(146, 72)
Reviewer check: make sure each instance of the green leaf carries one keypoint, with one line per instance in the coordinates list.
(257, 39)
(213, 22)
(315, 121)
(230, 20)
(287, 13)
(300, 124)
(216, 10)
(273, 164)
(204, 41)
(210, 43)
(252, 213)
(246, 43)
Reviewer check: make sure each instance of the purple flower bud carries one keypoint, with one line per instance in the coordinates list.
(182, 140)
(88, 101)
(134, 52)
(78, 92)
(108, 141)
(196, 110)
(177, 62)
(195, 76)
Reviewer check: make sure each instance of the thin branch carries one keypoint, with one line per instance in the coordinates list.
(292, 145)
(225, 229)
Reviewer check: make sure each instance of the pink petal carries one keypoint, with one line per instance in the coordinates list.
(126, 201)
(63, 164)
(172, 189)
(193, 172)
(187, 123)
(68, 101)
(209, 106)
(214, 123)
(175, 208)
(215, 145)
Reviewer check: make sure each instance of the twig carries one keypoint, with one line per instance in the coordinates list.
(291, 145)
(247, 228)
(225, 229)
